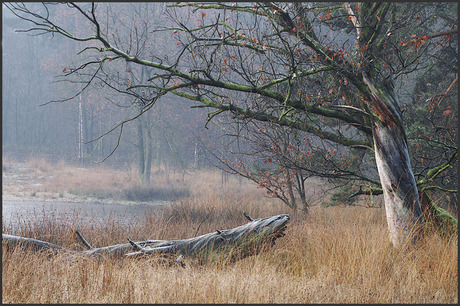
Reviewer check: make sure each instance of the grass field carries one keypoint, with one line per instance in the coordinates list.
(334, 255)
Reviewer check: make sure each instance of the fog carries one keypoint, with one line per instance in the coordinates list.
(36, 122)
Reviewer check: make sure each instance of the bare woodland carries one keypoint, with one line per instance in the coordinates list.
(327, 70)
(332, 124)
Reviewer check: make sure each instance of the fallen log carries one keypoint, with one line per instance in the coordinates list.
(237, 242)
(10, 241)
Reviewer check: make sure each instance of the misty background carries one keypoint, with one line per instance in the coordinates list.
(32, 124)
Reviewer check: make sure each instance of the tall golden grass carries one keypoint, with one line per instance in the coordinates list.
(333, 255)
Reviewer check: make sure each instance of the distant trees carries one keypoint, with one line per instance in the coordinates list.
(330, 70)
(42, 72)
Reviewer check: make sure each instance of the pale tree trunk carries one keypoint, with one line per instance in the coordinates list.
(80, 131)
(402, 205)
(148, 156)
(195, 156)
(140, 149)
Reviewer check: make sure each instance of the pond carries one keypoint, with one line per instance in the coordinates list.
(15, 212)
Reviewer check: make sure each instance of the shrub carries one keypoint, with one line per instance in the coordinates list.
(140, 193)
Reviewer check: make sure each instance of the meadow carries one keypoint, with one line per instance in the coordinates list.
(337, 254)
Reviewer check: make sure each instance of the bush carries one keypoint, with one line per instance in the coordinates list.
(139, 193)
(340, 196)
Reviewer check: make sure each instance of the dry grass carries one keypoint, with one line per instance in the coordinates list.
(39, 178)
(334, 255)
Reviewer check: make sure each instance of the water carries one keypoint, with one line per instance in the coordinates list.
(18, 211)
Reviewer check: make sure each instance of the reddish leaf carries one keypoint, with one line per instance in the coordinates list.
(447, 111)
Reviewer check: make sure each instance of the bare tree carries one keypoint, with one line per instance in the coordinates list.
(314, 67)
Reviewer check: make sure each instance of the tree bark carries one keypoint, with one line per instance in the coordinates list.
(402, 205)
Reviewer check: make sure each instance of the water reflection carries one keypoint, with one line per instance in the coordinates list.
(16, 212)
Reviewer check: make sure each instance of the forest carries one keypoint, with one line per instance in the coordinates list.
(343, 115)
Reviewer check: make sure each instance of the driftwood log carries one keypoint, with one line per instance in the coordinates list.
(237, 242)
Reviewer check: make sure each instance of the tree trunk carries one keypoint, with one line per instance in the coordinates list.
(148, 156)
(303, 199)
(290, 191)
(140, 150)
(237, 242)
(80, 131)
(195, 156)
(402, 205)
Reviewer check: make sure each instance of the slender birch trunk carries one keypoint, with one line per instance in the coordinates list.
(148, 156)
(140, 149)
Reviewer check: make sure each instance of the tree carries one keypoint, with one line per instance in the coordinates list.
(314, 67)
(276, 158)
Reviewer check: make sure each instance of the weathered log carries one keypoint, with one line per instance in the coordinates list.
(83, 240)
(34, 244)
(238, 242)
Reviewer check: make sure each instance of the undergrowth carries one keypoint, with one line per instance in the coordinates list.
(338, 254)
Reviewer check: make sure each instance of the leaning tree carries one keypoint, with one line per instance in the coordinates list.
(328, 69)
